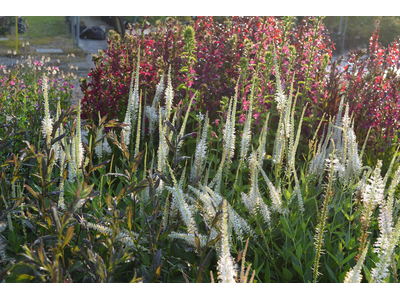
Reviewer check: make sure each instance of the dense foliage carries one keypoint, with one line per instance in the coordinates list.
(232, 180)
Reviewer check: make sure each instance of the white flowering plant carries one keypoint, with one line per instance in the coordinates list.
(177, 196)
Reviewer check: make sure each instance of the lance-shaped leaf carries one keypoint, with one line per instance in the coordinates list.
(31, 191)
(98, 166)
(171, 147)
(137, 160)
(172, 127)
(68, 236)
(162, 176)
(213, 241)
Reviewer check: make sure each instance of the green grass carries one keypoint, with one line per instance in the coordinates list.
(51, 32)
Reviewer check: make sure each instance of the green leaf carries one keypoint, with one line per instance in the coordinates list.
(259, 268)
(216, 218)
(181, 86)
(30, 190)
(299, 251)
(24, 278)
(157, 274)
(331, 273)
(172, 148)
(296, 265)
(172, 127)
(98, 166)
(68, 236)
(348, 258)
(267, 273)
(137, 160)
(212, 242)
(255, 264)
(208, 257)
(367, 274)
(197, 240)
(334, 258)
(287, 275)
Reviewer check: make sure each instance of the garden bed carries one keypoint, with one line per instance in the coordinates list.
(217, 152)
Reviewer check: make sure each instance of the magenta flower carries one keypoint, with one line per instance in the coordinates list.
(242, 118)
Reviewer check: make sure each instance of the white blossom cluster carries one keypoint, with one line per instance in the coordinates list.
(227, 271)
(253, 201)
(179, 204)
(354, 275)
(340, 140)
(133, 105)
(102, 146)
(76, 153)
(47, 122)
(201, 152)
(246, 137)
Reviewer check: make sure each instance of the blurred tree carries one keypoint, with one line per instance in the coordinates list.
(359, 28)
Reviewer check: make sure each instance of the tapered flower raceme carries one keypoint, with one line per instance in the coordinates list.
(229, 131)
(236, 222)
(207, 204)
(125, 237)
(211, 200)
(263, 139)
(275, 194)
(374, 191)
(385, 227)
(246, 137)
(279, 145)
(298, 191)
(189, 238)
(47, 123)
(3, 241)
(390, 194)
(381, 272)
(126, 131)
(75, 154)
(353, 159)
(201, 151)
(226, 265)
(317, 165)
(179, 203)
(80, 151)
(337, 131)
(354, 275)
(133, 104)
(280, 97)
(102, 147)
(320, 228)
(159, 91)
(137, 145)
(169, 95)
(135, 95)
(229, 142)
(162, 148)
(151, 114)
(253, 200)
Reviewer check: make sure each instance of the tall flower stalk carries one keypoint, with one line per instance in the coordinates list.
(320, 229)
(47, 123)
(226, 265)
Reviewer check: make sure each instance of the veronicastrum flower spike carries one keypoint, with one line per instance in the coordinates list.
(47, 123)
(201, 151)
(354, 275)
(246, 137)
(226, 265)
